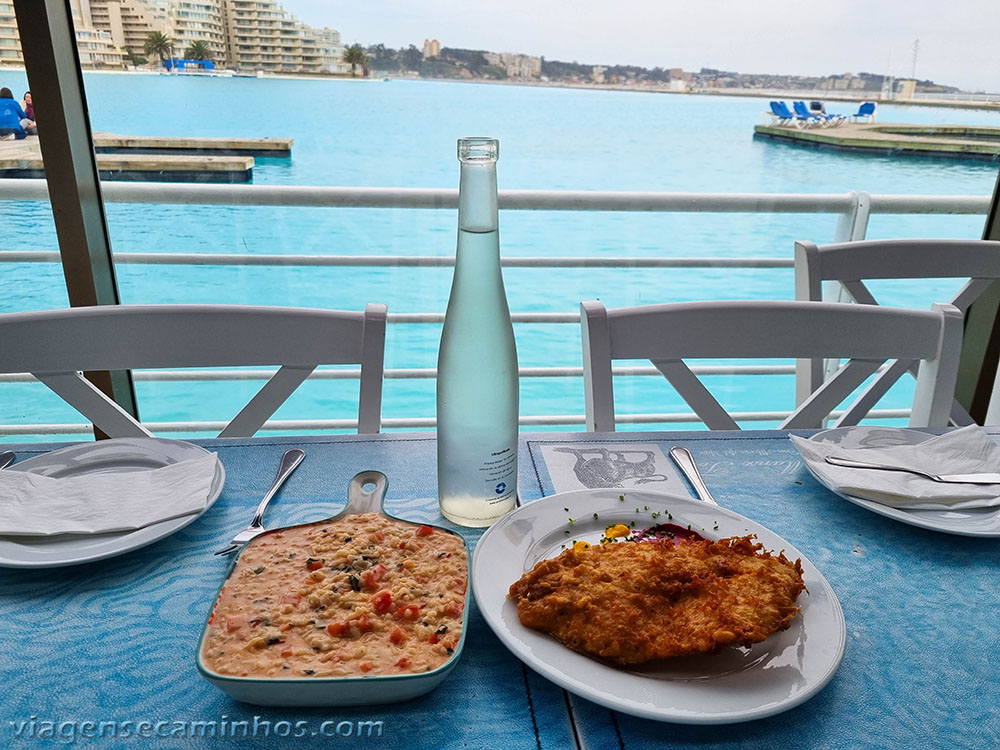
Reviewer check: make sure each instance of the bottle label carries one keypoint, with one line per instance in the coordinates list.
(499, 476)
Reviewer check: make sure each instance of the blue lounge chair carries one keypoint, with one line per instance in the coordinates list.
(779, 114)
(816, 118)
(865, 112)
(781, 110)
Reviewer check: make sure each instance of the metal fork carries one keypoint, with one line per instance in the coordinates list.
(289, 461)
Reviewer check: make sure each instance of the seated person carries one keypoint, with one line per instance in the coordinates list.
(28, 123)
(11, 115)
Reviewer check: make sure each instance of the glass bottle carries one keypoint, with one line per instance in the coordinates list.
(477, 380)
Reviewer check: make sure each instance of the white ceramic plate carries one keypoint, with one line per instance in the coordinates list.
(973, 522)
(102, 456)
(736, 685)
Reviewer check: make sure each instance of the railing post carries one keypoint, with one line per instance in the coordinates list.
(861, 214)
(845, 224)
(853, 225)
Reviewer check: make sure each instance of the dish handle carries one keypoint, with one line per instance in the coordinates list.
(360, 499)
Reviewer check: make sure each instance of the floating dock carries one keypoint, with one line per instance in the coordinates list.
(108, 143)
(155, 159)
(893, 139)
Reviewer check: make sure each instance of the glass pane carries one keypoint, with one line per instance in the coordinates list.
(25, 225)
(31, 277)
(382, 122)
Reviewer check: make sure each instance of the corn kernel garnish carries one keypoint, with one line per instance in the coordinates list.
(619, 529)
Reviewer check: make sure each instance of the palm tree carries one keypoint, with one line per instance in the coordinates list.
(159, 44)
(198, 50)
(355, 56)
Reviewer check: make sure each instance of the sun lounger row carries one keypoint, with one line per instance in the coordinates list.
(802, 117)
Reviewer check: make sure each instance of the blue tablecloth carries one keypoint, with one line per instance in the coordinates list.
(113, 642)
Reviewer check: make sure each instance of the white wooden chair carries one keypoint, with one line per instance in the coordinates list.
(55, 345)
(852, 263)
(865, 335)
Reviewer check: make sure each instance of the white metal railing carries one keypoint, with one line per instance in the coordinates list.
(175, 376)
(414, 423)
(853, 209)
(423, 261)
(414, 373)
(522, 200)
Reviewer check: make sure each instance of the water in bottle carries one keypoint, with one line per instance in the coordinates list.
(477, 382)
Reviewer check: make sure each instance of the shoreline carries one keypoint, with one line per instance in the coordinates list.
(832, 96)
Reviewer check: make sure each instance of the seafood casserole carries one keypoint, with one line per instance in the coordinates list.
(360, 595)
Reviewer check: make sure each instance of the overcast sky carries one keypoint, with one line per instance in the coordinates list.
(958, 39)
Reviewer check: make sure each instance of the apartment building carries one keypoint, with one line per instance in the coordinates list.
(432, 48)
(262, 35)
(10, 43)
(198, 21)
(96, 48)
(517, 66)
(256, 35)
(130, 22)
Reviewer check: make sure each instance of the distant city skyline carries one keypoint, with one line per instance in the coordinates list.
(957, 45)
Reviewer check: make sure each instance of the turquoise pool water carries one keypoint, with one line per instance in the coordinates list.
(403, 133)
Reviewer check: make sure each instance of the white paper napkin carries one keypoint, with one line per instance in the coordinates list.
(963, 451)
(99, 503)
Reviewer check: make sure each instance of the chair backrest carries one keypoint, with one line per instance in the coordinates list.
(866, 108)
(776, 110)
(801, 109)
(783, 110)
(865, 335)
(54, 345)
(852, 263)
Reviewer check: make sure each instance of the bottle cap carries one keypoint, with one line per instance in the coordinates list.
(478, 149)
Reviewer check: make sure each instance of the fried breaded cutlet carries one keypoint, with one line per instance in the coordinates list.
(632, 602)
